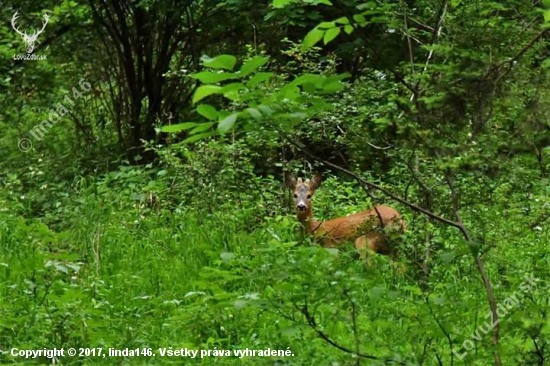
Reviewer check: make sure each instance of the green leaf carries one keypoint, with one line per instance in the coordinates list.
(201, 128)
(474, 246)
(233, 87)
(253, 64)
(205, 90)
(254, 113)
(313, 36)
(348, 29)
(227, 123)
(359, 18)
(342, 20)
(178, 127)
(231, 91)
(199, 136)
(209, 77)
(259, 78)
(317, 2)
(331, 34)
(265, 109)
(306, 78)
(207, 111)
(281, 3)
(226, 62)
(240, 304)
(326, 25)
(290, 91)
(448, 257)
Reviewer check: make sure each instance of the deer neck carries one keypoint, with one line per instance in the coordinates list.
(306, 219)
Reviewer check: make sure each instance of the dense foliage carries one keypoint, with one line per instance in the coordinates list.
(149, 211)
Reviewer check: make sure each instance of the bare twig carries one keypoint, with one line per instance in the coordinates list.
(435, 36)
(407, 33)
(379, 147)
(510, 62)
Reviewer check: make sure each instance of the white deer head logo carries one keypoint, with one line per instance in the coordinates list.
(29, 40)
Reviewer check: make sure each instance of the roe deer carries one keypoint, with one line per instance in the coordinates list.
(368, 229)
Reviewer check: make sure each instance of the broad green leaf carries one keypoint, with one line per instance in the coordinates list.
(201, 128)
(348, 29)
(178, 127)
(207, 111)
(253, 64)
(331, 34)
(227, 123)
(317, 2)
(326, 25)
(281, 3)
(342, 20)
(231, 91)
(233, 87)
(240, 304)
(448, 257)
(61, 268)
(226, 62)
(313, 36)
(359, 18)
(258, 78)
(306, 78)
(254, 113)
(205, 90)
(209, 77)
(198, 137)
(290, 92)
(297, 116)
(266, 109)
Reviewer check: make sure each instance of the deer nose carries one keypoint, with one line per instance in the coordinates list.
(301, 206)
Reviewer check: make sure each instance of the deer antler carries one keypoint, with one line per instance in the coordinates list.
(46, 17)
(14, 26)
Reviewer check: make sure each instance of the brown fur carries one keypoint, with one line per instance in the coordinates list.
(363, 228)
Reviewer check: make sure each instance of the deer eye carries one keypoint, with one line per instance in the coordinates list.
(308, 196)
(295, 196)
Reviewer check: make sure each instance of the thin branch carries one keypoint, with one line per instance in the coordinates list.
(313, 324)
(354, 324)
(538, 351)
(408, 35)
(526, 48)
(379, 147)
(447, 335)
(481, 269)
(510, 62)
(435, 36)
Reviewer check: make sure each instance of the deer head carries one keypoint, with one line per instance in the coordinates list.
(302, 191)
(29, 40)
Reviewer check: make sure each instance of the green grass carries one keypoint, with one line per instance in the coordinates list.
(119, 274)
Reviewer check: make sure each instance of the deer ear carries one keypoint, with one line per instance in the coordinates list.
(290, 182)
(316, 181)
